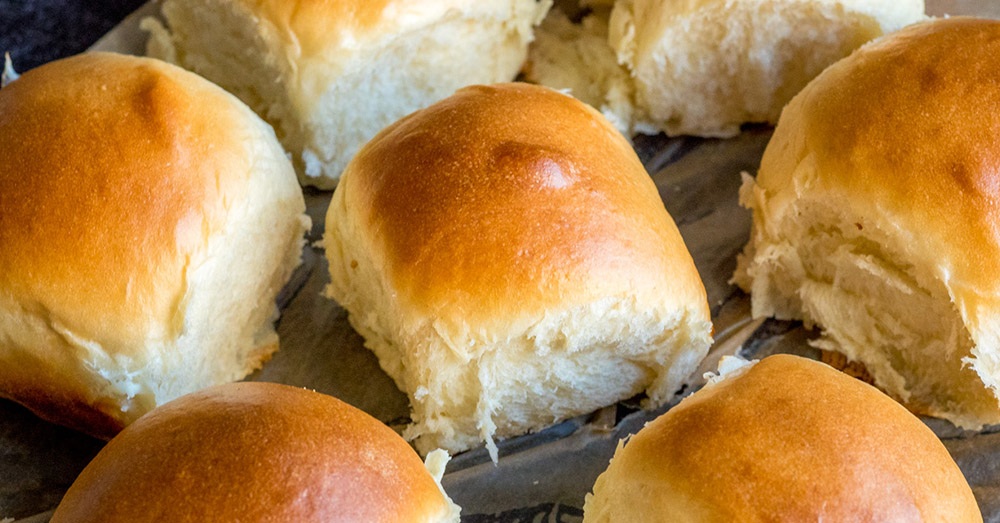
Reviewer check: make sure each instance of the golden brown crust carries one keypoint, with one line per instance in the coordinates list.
(486, 210)
(908, 127)
(128, 189)
(255, 452)
(99, 207)
(894, 151)
(794, 440)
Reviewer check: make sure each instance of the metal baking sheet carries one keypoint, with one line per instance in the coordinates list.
(542, 476)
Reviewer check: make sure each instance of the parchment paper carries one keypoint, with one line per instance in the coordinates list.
(543, 476)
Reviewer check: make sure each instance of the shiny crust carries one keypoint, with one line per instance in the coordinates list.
(510, 262)
(98, 207)
(255, 452)
(910, 131)
(125, 184)
(790, 439)
(482, 209)
(904, 136)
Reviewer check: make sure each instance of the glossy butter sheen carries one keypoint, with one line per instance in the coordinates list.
(484, 206)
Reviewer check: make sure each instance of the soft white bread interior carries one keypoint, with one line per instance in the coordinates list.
(511, 264)
(786, 439)
(148, 219)
(329, 75)
(576, 57)
(875, 216)
(703, 67)
(257, 452)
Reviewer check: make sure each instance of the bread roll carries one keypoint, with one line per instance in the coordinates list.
(148, 219)
(510, 262)
(329, 75)
(875, 216)
(786, 439)
(703, 67)
(257, 452)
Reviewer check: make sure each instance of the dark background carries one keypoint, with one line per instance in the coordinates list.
(39, 31)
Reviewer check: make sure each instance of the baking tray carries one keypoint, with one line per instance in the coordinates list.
(542, 476)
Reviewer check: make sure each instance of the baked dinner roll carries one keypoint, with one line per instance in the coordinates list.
(703, 67)
(784, 439)
(330, 74)
(148, 219)
(258, 452)
(510, 262)
(875, 216)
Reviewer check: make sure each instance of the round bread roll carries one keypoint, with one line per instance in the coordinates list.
(875, 216)
(784, 439)
(510, 262)
(257, 452)
(703, 67)
(329, 75)
(148, 219)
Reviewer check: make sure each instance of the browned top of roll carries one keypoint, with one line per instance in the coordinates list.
(113, 168)
(511, 199)
(907, 130)
(255, 452)
(794, 440)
